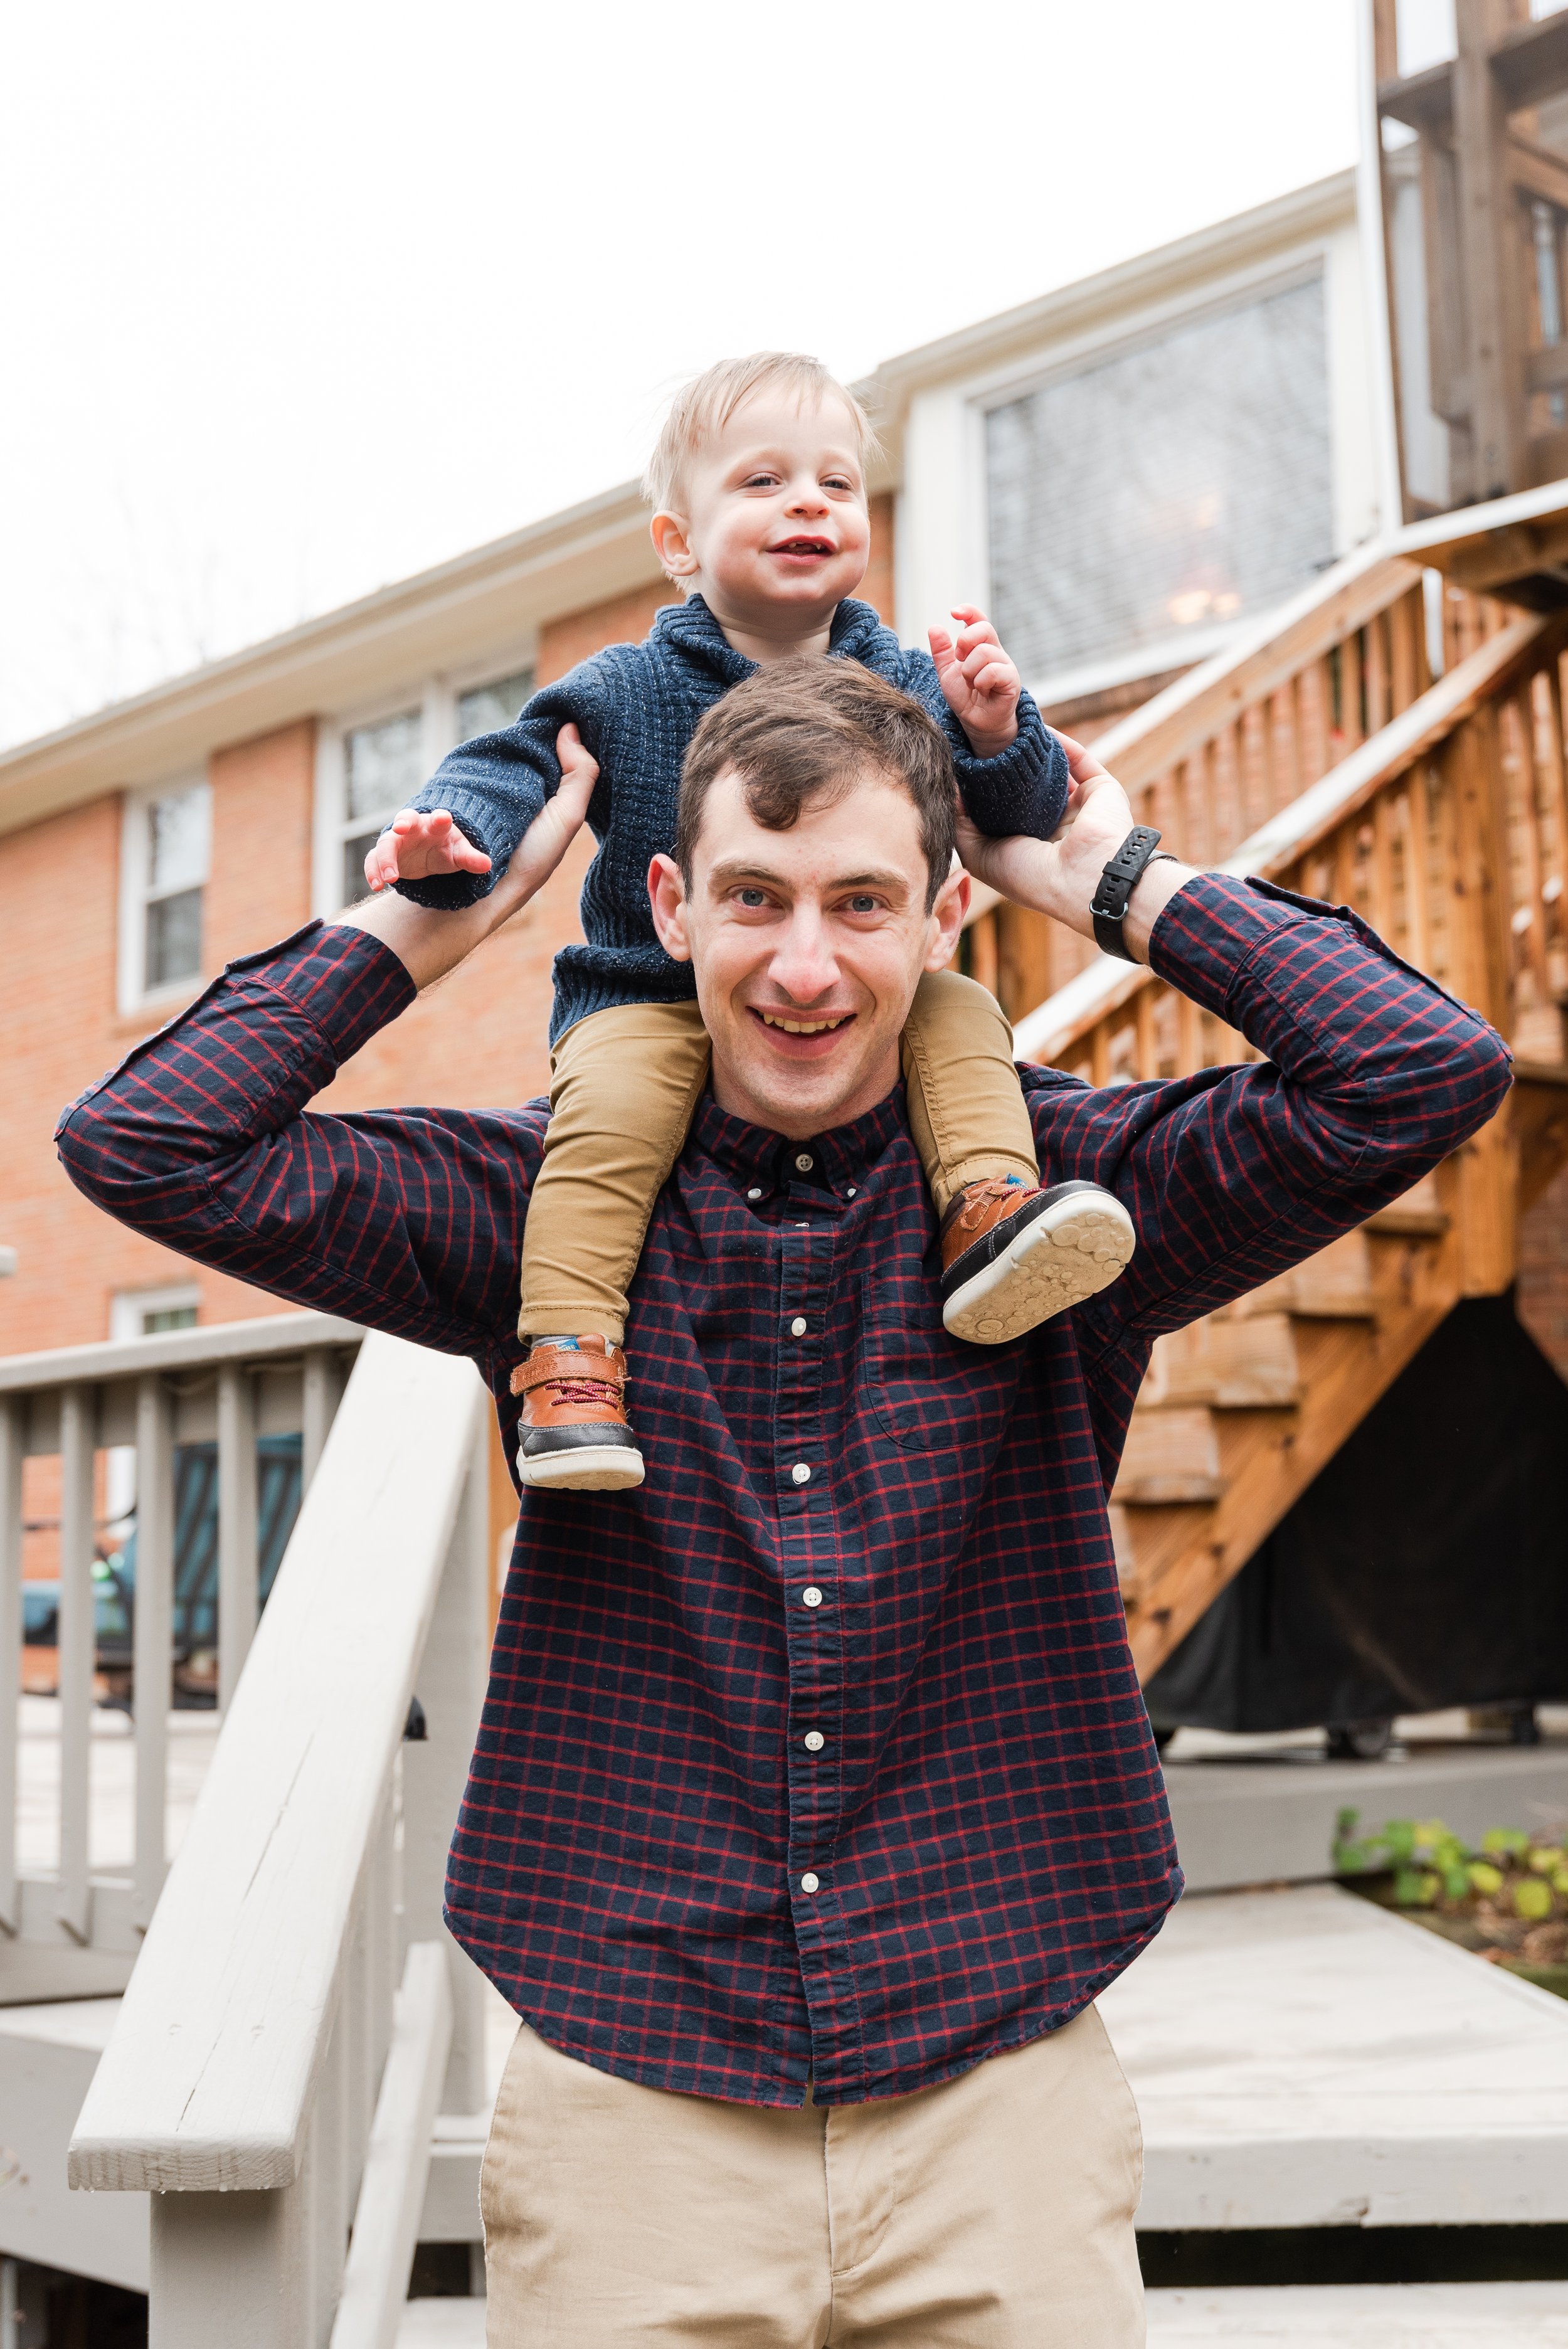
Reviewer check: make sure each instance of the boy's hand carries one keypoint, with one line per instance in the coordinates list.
(419, 844)
(429, 943)
(980, 682)
(1059, 876)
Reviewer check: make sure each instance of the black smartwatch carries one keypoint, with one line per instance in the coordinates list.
(1116, 884)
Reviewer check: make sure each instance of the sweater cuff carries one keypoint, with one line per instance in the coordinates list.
(1021, 788)
(448, 893)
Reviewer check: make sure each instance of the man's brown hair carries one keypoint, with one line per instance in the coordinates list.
(801, 733)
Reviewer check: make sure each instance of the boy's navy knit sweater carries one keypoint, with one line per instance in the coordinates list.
(636, 708)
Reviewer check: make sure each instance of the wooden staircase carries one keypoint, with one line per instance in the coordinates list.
(1325, 754)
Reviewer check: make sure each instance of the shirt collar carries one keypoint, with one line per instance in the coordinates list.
(750, 1155)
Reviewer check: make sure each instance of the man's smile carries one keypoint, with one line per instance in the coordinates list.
(807, 1038)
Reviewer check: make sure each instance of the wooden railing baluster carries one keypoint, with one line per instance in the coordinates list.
(12, 1408)
(76, 1653)
(153, 1635)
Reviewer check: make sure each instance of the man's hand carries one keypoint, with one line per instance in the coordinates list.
(980, 682)
(1059, 876)
(431, 944)
(419, 844)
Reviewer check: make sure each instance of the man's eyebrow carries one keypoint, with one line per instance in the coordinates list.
(730, 870)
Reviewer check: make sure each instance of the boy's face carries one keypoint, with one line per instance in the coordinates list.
(772, 513)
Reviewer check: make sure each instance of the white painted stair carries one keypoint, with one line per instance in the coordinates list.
(1303, 2316)
(1303, 2059)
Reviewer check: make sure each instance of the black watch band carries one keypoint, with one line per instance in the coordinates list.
(1116, 884)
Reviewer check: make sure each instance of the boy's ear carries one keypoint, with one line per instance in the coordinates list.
(667, 897)
(672, 545)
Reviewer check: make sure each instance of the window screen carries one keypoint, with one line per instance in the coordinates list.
(1164, 490)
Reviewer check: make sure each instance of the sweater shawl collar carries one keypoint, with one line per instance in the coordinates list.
(691, 630)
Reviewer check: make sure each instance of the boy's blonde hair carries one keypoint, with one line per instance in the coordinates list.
(705, 405)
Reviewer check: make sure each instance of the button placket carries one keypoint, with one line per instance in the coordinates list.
(805, 1489)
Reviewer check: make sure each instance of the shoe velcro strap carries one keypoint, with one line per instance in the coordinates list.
(548, 1362)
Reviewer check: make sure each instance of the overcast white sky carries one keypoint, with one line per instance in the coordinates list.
(299, 299)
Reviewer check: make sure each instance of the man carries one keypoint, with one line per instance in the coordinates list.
(814, 1799)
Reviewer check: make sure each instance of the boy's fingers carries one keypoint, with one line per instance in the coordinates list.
(942, 649)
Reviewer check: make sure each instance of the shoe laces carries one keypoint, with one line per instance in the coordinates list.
(979, 1196)
(576, 1391)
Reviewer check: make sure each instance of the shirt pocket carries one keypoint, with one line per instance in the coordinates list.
(928, 1391)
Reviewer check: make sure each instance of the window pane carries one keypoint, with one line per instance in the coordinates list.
(1165, 489)
(355, 852)
(486, 708)
(168, 1317)
(381, 765)
(174, 938)
(177, 839)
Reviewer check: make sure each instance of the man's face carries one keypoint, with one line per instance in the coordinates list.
(807, 947)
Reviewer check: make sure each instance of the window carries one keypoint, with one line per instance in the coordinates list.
(383, 767)
(167, 846)
(486, 708)
(1141, 504)
(143, 1312)
(372, 765)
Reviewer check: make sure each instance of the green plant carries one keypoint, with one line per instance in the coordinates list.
(1510, 1879)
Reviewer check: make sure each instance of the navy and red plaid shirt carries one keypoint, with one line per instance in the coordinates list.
(852, 1526)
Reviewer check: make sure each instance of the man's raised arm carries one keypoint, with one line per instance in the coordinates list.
(1371, 1075)
(410, 1221)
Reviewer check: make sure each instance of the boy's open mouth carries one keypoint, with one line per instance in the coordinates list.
(802, 546)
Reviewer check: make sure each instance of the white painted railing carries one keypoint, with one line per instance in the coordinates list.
(298, 2014)
(230, 1384)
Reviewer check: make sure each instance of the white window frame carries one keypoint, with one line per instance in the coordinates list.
(135, 893)
(436, 701)
(128, 1308)
(941, 538)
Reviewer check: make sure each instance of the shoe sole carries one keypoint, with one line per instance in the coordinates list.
(587, 1468)
(1068, 1254)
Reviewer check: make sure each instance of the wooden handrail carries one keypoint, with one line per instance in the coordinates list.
(1051, 1032)
(207, 2081)
(269, 1334)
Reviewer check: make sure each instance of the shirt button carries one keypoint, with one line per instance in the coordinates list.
(798, 1326)
(808, 1882)
(800, 1474)
(814, 1741)
(805, 1162)
(812, 1596)
(755, 1192)
(850, 1192)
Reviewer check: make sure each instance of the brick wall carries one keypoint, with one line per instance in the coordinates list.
(479, 1038)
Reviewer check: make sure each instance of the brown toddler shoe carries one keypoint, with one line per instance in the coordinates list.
(575, 1438)
(1013, 1255)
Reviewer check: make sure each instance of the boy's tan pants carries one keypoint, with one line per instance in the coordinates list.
(994, 2211)
(624, 1083)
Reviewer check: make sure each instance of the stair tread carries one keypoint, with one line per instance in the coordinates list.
(428, 2323)
(1366, 2315)
(1363, 2071)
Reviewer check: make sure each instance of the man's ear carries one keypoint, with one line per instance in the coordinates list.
(666, 895)
(673, 547)
(947, 914)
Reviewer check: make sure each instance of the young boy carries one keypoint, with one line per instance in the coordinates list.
(761, 515)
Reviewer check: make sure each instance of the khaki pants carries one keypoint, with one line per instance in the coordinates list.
(624, 1083)
(992, 2212)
